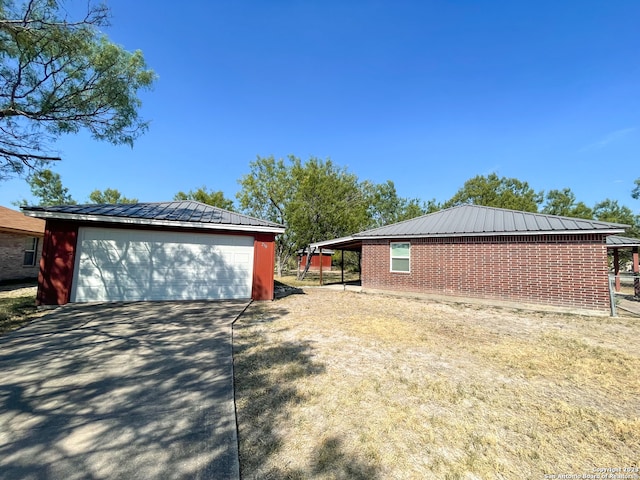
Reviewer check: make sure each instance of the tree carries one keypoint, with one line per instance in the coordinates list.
(266, 193)
(315, 200)
(386, 207)
(563, 202)
(47, 186)
(214, 198)
(493, 191)
(109, 196)
(328, 203)
(635, 193)
(611, 211)
(59, 76)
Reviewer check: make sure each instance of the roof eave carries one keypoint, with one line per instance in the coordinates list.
(611, 231)
(153, 222)
(335, 240)
(20, 231)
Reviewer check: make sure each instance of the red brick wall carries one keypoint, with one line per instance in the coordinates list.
(12, 247)
(563, 270)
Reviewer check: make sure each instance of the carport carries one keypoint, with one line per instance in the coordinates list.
(343, 244)
(617, 244)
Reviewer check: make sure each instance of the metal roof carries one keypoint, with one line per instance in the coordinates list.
(618, 241)
(475, 220)
(175, 214)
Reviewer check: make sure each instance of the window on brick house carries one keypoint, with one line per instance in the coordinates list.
(30, 249)
(400, 256)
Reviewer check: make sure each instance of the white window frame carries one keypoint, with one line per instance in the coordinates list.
(31, 247)
(392, 257)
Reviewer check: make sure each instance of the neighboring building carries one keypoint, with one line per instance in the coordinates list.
(20, 245)
(489, 253)
(315, 259)
(154, 251)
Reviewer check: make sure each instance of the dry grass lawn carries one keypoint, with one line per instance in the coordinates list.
(312, 279)
(17, 307)
(341, 385)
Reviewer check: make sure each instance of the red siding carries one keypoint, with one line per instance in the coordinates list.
(263, 263)
(57, 263)
(315, 262)
(58, 257)
(563, 270)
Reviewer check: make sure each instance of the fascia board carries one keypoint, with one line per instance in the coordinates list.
(150, 222)
(492, 234)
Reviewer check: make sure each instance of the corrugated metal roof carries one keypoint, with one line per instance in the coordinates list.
(618, 241)
(467, 220)
(180, 213)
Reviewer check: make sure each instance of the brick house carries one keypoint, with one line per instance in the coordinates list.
(489, 253)
(20, 245)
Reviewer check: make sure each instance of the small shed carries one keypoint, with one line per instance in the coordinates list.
(153, 251)
(20, 245)
(316, 258)
(489, 253)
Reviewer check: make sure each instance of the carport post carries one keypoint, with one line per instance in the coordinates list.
(616, 268)
(612, 297)
(636, 280)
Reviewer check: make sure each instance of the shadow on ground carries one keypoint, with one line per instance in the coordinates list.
(266, 377)
(138, 390)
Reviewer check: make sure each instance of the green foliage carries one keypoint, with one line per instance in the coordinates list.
(635, 193)
(315, 200)
(499, 192)
(209, 197)
(328, 202)
(109, 196)
(386, 207)
(47, 187)
(267, 192)
(58, 77)
(611, 211)
(563, 202)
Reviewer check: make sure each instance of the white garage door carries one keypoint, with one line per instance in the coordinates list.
(121, 264)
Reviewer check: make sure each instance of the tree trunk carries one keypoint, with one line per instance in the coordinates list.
(310, 253)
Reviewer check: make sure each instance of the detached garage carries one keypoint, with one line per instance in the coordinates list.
(153, 251)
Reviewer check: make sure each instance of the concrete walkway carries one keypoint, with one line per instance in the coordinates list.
(138, 390)
(628, 305)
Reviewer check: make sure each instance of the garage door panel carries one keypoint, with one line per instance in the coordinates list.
(119, 264)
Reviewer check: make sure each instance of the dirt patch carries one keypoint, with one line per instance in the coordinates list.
(21, 290)
(346, 385)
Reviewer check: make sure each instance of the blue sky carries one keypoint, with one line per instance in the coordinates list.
(425, 93)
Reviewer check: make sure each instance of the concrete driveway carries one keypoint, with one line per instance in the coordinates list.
(137, 390)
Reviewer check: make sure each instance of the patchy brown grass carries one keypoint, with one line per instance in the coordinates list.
(16, 309)
(312, 279)
(334, 385)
